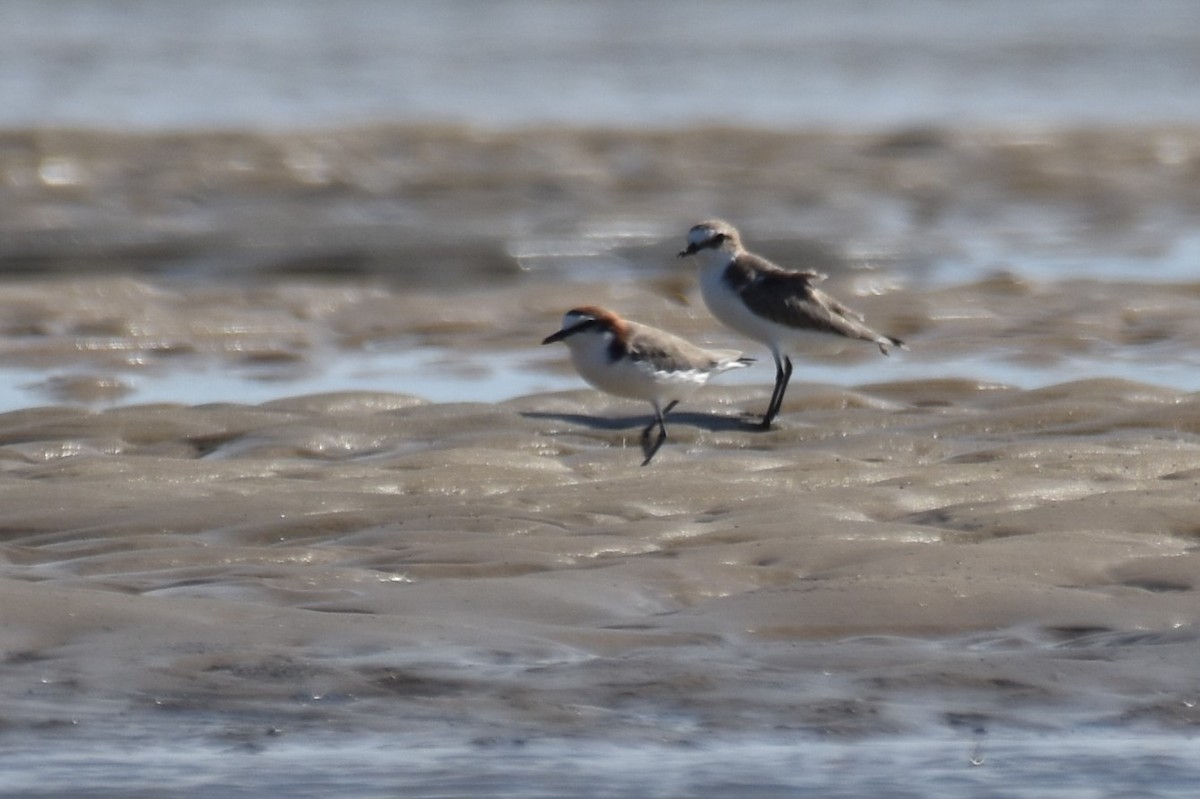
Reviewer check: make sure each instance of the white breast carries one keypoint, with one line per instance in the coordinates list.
(727, 306)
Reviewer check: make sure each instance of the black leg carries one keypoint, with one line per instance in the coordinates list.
(648, 449)
(787, 377)
(770, 413)
(783, 373)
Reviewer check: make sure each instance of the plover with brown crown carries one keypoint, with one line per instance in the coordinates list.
(637, 361)
(770, 304)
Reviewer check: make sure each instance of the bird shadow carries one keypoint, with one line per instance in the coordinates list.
(713, 423)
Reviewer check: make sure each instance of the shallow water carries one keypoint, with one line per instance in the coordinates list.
(1017, 258)
(1058, 766)
(302, 64)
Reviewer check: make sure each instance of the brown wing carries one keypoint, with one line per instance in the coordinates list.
(746, 266)
(667, 353)
(789, 298)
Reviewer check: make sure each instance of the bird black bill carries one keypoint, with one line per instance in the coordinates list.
(587, 323)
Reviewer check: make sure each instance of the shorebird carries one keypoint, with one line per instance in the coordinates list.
(639, 362)
(770, 304)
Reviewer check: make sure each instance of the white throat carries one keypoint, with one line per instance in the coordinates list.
(714, 259)
(713, 263)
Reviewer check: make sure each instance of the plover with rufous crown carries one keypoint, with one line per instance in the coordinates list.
(637, 361)
(778, 307)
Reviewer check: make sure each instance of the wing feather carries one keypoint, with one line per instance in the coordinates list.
(793, 300)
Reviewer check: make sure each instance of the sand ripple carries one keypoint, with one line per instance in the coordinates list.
(936, 540)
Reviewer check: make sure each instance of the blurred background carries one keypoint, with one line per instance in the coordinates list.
(289, 64)
(450, 144)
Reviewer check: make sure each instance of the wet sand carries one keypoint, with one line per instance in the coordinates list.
(894, 556)
(1002, 543)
